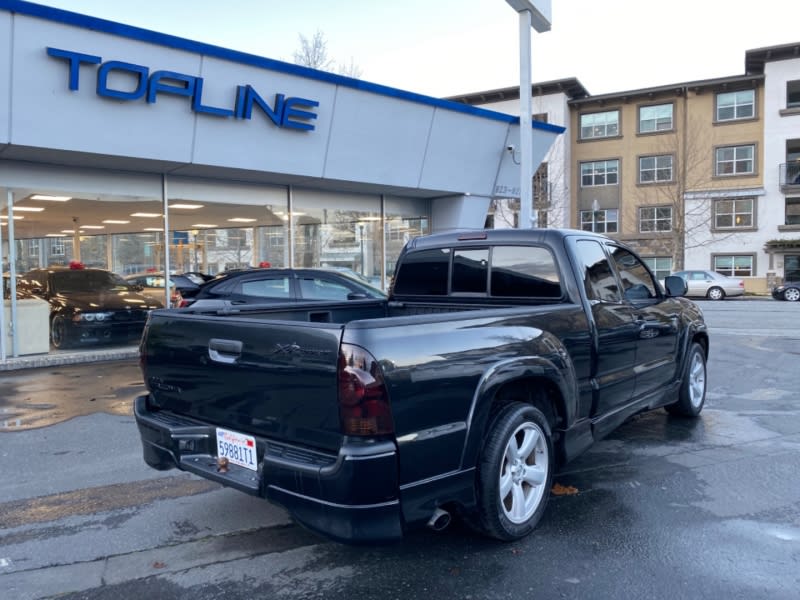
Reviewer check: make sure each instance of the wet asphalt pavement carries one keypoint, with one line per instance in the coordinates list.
(662, 508)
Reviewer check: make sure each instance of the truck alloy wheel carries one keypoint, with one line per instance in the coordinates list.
(515, 472)
(692, 395)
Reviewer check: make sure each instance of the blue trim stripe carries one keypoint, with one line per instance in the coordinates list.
(170, 41)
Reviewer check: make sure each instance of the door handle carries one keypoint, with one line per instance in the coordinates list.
(224, 351)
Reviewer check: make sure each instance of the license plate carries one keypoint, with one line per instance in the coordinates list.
(238, 448)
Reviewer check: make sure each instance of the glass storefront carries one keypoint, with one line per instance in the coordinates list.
(211, 227)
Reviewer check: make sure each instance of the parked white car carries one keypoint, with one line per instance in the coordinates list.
(711, 285)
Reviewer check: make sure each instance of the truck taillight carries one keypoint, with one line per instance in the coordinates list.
(363, 400)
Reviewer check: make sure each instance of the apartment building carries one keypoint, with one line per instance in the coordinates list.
(778, 234)
(675, 171)
(701, 174)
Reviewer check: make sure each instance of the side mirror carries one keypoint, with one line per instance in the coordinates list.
(676, 286)
(137, 287)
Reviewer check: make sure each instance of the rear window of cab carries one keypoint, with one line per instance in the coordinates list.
(496, 272)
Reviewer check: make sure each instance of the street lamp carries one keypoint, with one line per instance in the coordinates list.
(536, 14)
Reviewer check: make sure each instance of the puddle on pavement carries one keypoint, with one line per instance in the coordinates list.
(41, 397)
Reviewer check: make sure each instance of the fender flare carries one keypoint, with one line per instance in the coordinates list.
(555, 366)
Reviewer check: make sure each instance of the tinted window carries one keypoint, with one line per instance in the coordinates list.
(424, 273)
(470, 270)
(637, 283)
(275, 287)
(314, 288)
(87, 281)
(524, 271)
(598, 278)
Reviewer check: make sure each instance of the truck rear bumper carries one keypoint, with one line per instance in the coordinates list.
(350, 497)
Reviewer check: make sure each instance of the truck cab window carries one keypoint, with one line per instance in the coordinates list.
(599, 280)
(424, 273)
(524, 272)
(637, 282)
(471, 271)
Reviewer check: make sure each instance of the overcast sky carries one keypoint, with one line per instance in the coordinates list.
(450, 47)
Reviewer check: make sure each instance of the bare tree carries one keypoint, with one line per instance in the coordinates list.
(550, 200)
(684, 188)
(313, 53)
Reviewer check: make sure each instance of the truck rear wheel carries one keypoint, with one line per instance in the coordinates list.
(515, 473)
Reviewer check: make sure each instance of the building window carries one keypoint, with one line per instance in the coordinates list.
(655, 218)
(736, 105)
(33, 248)
(793, 94)
(57, 247)
(735, 160)
(601, 172)
(541, 117)
(655, 118)
(792, 211)
(655, 169)
(734, 266)
(661, 266)
(600, 125)
(600, 221)
(733, 213)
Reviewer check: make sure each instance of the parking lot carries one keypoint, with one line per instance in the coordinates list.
(662, 508)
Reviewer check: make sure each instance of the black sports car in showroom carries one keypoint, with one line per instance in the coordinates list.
(88, 305)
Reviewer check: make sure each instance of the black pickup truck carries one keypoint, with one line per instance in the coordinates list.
(498, 356)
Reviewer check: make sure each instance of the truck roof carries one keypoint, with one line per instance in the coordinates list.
(465, 236)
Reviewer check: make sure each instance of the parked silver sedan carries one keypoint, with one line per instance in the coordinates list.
(711, 285)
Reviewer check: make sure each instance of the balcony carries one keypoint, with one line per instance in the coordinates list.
(789, 177)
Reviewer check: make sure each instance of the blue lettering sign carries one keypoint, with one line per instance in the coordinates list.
(138, 71)
(285, 112)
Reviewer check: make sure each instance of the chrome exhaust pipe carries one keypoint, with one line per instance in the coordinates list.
(439, 520)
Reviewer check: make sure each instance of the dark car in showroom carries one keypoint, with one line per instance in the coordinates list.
(88, 305)
(789, 291)
(273, 286)
(152, 284)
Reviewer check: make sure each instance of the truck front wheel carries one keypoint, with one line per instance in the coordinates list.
(692, 395)
(515, 473)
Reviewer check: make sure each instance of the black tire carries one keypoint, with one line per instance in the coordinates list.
(59, 338)
(791, 294)
(692, 395)
(512, 495)
(715, 293)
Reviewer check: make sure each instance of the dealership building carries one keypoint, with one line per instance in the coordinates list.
(134, 151)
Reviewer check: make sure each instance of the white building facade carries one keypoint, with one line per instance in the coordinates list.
(132, 150)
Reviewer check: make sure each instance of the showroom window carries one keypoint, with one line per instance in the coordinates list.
(600, 172)
(661, 266)
(735, 160)
(655, 169)
(655, 218)
(733, 213)
(732, 106)
(655, 118)
(734, 265)
(600, 125)
(600, 221)
(793, 94)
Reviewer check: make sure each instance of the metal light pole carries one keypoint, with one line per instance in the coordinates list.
(536, 14)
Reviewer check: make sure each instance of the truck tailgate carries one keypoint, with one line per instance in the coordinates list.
(275, 379)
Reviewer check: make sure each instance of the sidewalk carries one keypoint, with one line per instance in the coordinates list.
(70, 357)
